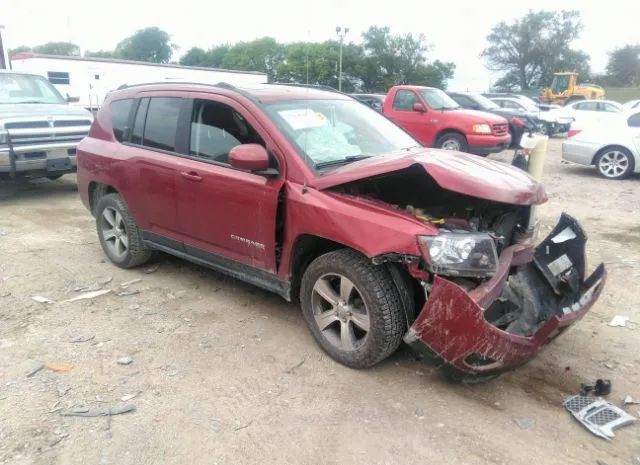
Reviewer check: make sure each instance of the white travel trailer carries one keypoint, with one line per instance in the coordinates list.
(89, 79)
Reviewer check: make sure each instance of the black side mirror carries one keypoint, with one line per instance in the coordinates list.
(72, 99)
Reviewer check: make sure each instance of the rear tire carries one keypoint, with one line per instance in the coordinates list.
(119, 235)
(352, 308)
(452, 141)
(614, 163)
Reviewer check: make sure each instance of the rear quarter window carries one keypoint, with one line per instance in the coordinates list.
(120, 110)
(634, 121)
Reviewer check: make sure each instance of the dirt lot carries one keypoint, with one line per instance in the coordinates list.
(225, 373)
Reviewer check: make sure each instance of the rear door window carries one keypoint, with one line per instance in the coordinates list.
(161, 124)
(120, 111)
(587, 106)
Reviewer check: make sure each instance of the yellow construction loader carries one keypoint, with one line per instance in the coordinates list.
(565, 89)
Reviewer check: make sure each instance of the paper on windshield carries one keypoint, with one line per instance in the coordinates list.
(303, 118)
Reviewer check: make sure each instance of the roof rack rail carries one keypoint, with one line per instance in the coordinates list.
(219, 85)
(312, 86)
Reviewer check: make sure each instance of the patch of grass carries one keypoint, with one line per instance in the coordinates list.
(622, 94)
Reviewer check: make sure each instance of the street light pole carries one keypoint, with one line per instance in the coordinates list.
(342, 32)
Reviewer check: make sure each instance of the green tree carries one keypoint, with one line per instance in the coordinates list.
(262, 55)
(529, 50)
(623, 68)
(398, 59)
(195, 56)
(18, 49)
(100, 54)
(58, 48)
(150, 44)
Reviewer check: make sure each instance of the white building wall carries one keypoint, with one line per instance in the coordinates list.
(92, 80)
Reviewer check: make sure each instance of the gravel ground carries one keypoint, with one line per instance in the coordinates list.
(224, 373)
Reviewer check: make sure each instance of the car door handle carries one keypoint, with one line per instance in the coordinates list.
(191, 176)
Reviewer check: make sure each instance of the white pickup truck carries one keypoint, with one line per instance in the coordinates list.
(39, 131)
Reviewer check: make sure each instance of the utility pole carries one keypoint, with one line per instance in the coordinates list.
(342, 32)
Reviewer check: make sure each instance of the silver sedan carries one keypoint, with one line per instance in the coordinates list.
(613, 148)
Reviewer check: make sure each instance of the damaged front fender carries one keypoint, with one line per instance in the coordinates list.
(501, 324)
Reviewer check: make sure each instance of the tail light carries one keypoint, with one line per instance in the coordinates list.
(518, 122)
(573, 132)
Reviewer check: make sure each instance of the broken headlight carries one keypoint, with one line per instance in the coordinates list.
(460, 254)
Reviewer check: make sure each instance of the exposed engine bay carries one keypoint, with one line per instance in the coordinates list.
(491, 296)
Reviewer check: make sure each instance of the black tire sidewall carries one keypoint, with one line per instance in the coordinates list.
(462, 141)
(373, 349)
(136, 254)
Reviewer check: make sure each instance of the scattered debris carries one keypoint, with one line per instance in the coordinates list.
(598, 416)
(5, 294)
(98, 412)
(88, 287)
(81, 338)
(125, 360)
(293, 368)
(43, 300)
(128, 397)
(525, 422)
(134, 307)
(602, 387)
(151, 269)
(419, 413)
(628, 400)
(129, 283)
(619, 320)
(58, 439)
(127, 292)
(59, 366)
(35, 370)
(62, 390)
(246, 425)
(89, 295)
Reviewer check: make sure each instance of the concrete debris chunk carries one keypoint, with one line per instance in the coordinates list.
(43, 300)
(125, 360)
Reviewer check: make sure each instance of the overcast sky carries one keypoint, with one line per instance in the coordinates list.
(456, 30)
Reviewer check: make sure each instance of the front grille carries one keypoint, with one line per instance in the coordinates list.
(26, 125)
(500, 129)
(71, 123)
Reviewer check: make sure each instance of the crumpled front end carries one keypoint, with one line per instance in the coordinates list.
(536, 294)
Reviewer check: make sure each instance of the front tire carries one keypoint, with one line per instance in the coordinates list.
(614, 163)
(119, 235)
(452, 141)
(352, 308)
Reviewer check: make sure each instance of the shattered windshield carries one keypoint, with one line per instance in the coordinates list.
(27, 88)
(332, 132)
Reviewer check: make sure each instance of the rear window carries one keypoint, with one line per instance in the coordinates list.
(162, 123)
(120, 110)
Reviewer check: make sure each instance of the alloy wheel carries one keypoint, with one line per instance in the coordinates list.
(613, 164)
(450, 144)
(114, 232)
(340, 312)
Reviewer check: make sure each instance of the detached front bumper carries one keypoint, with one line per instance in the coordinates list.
(535, 295)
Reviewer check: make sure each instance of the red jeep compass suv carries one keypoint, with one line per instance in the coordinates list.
(317, 197)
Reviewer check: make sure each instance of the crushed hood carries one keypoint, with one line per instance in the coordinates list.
(455, 171)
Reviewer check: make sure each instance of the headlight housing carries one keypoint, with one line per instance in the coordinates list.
(483, 128)
(460, 254)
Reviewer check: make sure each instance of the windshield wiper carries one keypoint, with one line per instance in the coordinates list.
(31, 101)
(341, 161)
